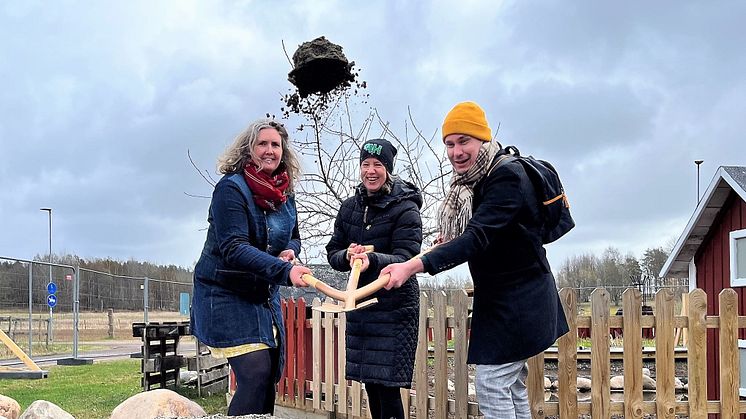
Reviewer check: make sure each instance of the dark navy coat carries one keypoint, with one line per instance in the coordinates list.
(517, 311)
(237, 278)
(382, 338)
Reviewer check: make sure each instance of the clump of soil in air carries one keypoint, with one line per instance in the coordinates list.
(321, 74)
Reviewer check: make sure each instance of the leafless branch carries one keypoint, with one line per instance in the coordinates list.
(286, 54)
(206, 176)
(196, 196)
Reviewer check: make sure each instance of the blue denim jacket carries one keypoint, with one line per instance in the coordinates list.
(237, 278)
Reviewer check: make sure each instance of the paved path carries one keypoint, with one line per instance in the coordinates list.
(106, 350)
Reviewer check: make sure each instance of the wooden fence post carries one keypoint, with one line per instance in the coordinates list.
(729, 363)
(632, 310)
(460, 344)
(316, 337)
(421, 384)
(535, 385)
(697, 354)
(441, 354)
(110, 315)
(328, 324)
(300, 325)
(292, 355)
(600, 391)
(665, 370)
(567, 354)
(341, 365)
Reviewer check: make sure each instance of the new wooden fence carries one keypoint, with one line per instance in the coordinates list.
(313, 379)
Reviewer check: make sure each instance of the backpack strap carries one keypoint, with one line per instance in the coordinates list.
(497, 160)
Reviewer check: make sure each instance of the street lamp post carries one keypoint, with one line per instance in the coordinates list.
(698, 162)
(49, 212)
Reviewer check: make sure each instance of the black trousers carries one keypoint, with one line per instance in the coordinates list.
(255, 382)
(385, 402)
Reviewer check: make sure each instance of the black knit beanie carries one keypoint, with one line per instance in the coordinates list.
(380, 149)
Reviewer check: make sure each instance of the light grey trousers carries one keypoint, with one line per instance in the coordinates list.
(501, 391)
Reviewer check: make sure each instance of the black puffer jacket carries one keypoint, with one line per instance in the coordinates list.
(382, 338)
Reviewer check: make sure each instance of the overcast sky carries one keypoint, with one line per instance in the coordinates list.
(100, 101)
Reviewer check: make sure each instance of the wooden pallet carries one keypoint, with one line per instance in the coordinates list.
(160, 362)
(212, 373)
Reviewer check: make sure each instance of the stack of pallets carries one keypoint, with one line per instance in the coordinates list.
(160, 360)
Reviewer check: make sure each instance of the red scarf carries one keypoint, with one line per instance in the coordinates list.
(268, 190)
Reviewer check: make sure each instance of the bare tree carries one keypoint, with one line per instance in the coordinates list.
(580, 272)
(332, 142)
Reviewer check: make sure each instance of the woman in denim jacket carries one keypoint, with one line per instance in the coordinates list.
(252, 242)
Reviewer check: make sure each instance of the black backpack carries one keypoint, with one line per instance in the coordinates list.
(549, 191)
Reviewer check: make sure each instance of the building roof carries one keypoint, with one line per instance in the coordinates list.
(726, 179)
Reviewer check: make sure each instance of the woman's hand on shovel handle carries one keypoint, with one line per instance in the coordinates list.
(363, 259)
(296, 275)
(400, 272)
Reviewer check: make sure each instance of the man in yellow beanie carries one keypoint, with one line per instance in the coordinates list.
(491, 219)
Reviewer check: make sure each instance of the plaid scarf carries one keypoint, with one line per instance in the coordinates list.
(268, 190)
(455, 212)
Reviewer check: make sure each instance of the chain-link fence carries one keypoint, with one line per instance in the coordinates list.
(41, 302)
(29, 293)
(100, 291)
(616, 292)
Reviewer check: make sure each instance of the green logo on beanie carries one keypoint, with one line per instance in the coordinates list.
(373, 148)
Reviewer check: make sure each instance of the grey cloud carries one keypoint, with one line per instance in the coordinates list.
(101, 102)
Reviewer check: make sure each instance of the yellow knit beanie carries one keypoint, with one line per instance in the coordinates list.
(469, 119)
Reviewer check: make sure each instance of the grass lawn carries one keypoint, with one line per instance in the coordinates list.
(93, 391)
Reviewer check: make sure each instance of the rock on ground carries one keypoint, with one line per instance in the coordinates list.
(157, 403)
(9, 408)
(219, 416)
(42, 409)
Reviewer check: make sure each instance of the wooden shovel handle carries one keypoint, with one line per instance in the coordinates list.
(324, 288)
(354, 294)
(352, 283)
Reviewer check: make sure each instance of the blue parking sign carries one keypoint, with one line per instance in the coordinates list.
(52, 288)
(52, 300)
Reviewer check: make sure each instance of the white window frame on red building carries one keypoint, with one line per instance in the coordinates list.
(737, 237)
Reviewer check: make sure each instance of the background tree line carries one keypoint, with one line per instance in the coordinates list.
(108, 283)
(616, 272)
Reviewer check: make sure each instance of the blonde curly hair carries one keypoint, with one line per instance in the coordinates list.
(238, 154)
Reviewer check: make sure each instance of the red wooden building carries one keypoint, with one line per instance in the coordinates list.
(711, 253)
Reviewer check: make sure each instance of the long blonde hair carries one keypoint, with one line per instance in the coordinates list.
(238, 154)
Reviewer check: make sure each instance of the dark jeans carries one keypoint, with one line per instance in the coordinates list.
(255, 382)
(385, 402)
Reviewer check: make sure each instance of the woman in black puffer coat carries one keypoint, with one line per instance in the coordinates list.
(381, 338)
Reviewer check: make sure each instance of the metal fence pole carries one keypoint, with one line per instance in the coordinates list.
(30, 309)
(76, 309)
(145, 300)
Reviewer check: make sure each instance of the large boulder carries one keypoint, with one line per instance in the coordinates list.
(42, 409)
(9, 408)
(155, 403)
